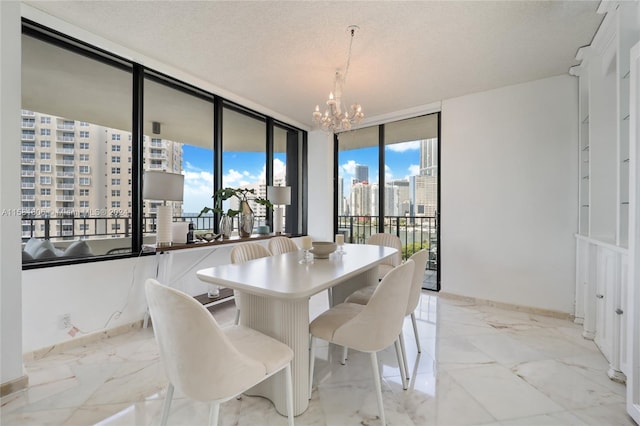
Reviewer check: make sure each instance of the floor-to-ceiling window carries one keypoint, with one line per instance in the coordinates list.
(358, 189)
(388, 181)
(411, 200)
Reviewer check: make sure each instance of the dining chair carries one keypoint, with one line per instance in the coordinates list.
(279, 245)
(244, 253)
(368, 328)
(206, 362)
(363, 296)
(387, 240)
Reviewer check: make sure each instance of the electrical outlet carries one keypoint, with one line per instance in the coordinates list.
(64, 321)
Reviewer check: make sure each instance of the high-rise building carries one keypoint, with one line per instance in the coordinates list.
(424, 192)
(429, 157)
(360, 199)
(72, 169)
(361, 173)
(397, 197)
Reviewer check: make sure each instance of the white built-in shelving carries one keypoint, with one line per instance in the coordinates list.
(602, 238)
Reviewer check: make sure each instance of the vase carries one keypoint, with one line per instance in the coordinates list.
(226, 226)
(246, 220)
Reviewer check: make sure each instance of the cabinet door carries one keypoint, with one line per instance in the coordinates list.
(605, 301)
(633, 317)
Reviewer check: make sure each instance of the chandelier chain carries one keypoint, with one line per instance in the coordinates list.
(334, 119)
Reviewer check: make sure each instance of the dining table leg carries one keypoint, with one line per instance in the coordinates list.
(288, 322)
(343, 290)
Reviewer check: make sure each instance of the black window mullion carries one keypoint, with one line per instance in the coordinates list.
(269, 163)
(137, 152)
(381, 181)
(217, 154)
(293, 175)
(336, 200)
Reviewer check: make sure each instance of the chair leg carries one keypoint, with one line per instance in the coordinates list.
(404, 355)
(403, 374)
(289, 394)
(237, 320)
(378, 386)
(167, 405)
(214, 413)
(312, 363)
(415, 330)
(343, 361)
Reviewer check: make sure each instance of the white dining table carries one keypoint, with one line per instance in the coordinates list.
(275, 294)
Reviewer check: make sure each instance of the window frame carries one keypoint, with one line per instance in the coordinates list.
(139, 73)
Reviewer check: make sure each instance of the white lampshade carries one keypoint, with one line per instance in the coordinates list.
(163, 186)
(279, 195)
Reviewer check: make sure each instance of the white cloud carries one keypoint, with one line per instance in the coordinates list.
(349, 167)
(414, 170)
(405, 146)
(198, 189)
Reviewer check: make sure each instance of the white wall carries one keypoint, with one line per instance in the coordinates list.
(10, 283)
(509, 194)
(320, 169)
(94, 293)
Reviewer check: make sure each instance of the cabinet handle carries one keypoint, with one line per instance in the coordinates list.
(600, 296)
(619, 311)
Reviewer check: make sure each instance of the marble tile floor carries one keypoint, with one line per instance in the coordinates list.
(479, 365)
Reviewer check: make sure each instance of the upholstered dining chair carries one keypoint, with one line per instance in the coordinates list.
(206, 362)
(387, 240)
(279, 245)
(368, 328)
(244, 253)
(363, 296)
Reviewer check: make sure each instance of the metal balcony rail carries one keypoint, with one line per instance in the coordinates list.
(415, 232)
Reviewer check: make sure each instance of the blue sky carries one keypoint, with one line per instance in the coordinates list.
(239, 169)
(401, 161)
(243, 168)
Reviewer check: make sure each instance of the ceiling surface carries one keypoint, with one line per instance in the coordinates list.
(282, 55)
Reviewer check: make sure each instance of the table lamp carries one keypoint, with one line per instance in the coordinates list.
(278, 195)
(164, 187)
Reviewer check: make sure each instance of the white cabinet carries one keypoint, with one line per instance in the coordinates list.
(602, 239)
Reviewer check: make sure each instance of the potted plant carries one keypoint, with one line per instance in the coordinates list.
(246, 216)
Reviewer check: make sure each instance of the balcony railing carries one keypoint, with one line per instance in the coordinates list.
(28, 137)
(65, 162)
(415, 232)
(68, 151)
(28, 124)
(96, 227)
(24, 160)
(28, 173)
(64, 197)
(27, 113)
(27, 186)
(28, 149)
(65, 127)
(65, 138)
(65, 185)
(65, 174)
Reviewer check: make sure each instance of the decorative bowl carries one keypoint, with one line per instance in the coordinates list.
(322, 249)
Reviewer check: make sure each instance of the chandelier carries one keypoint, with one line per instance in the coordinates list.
(334, 119)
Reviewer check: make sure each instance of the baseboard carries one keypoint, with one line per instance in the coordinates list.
(14, 386)
(509, 306)
(80, 341)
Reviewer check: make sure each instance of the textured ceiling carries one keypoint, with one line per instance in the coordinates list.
(282, 55)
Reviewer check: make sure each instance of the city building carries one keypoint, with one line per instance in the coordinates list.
(75, 177)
